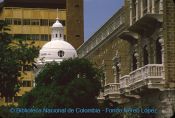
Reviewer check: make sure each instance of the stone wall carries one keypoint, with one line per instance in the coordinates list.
(169, 41)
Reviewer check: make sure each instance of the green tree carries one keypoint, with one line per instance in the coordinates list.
(14, 55)
(72, 83)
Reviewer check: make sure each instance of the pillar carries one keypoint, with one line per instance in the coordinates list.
(137, 10)
(161, 7)
(141, 8)
(148, 6)
(153, 7)
(130, 12)
(161, 40)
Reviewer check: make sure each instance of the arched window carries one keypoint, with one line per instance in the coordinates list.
(145, 55)
(116, 65)
(158, 52)
(116, 68)
(134, 9)
(60, 53)
(134, 62)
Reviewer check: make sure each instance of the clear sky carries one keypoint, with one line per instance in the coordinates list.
(97, 12)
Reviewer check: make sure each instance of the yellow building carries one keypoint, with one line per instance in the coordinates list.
(32, 20)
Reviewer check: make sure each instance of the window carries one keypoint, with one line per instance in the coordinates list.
(60, 53)
(26, 83)
(20, 36)
(158, 52)
(9, 21)
(62, 22)
(26, 21)
(77, 35)
(60, 35)
(134, 10)
(145, 6)
(17, 21)
(28, 36)
(51, 22)
(77, 5)
(44, 37)
(56, 35)
(43, 22)
(134, 61)
(34, 22)
(34, 37)
(145, 55)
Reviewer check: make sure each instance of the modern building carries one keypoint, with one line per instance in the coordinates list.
(136, 50)
(31, 20)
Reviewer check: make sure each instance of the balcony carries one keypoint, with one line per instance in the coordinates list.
(147, 23)
(150, 76)
(101, 98)
(124, 84)
(111, 91)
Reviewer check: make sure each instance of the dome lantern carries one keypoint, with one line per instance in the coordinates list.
(57, 30)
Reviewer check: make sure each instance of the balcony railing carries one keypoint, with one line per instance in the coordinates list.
(111, 89)
(150, 75)
(124, 83)
(100, 98)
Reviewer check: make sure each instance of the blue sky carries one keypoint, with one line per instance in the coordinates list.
(97, 12)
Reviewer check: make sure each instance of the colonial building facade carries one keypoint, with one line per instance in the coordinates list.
(136, 50)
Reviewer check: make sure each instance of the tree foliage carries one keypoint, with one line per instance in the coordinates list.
(72, 83)
(14, 55)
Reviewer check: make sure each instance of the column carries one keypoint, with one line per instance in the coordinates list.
(105, 78)
(137, 10)
(115, 73)
(130, 12)
(153, 7)
(141, 8)
(161, 40)
(161, 7)
(137, 57)
(148, 6)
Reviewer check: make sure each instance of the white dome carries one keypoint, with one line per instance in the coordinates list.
(56, 50)
(57, 24)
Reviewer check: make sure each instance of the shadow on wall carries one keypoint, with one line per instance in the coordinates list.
(174, 112)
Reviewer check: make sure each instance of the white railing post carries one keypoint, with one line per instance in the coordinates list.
(141, 8)
(148, 6)
(161, 7)
(130, 12)
(153, 7)
(150, 72)
(137, 10)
